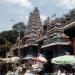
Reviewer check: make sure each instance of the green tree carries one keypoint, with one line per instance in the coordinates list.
(8, 38)
(10, 35)
(19, 26)
(2, 41)
(4, 46)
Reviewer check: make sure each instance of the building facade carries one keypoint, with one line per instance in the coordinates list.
(56, 44)
(48, 39)
(69, 30)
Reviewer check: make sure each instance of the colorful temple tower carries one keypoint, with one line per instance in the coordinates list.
(33, 31)
(56, 44)
(34, 28)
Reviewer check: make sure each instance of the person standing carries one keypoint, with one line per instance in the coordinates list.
(10, 71)
(61, 71)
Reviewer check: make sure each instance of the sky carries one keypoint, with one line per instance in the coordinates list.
(19, 10)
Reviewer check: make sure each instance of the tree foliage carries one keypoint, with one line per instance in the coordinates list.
(8, 38)
(2, 41)
(19, 26)
(9, 35)
(4, 46)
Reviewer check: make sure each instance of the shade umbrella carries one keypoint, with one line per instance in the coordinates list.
(65, 59)
(41, 58)
(1, 60)
(6, 60)
(14, 59)
(28, 57)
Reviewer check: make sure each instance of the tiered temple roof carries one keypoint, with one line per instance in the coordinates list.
(56, 36)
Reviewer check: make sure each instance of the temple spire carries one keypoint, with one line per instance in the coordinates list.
(35, 29)
(36, 10)
(47, 21)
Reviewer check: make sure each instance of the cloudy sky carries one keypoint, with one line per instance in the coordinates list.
(18, 10)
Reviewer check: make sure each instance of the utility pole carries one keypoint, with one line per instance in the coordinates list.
(19, 43)
(19, 38)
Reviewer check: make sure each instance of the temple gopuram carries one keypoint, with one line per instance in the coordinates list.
(48, 39)
(33, 31)
(56, 44)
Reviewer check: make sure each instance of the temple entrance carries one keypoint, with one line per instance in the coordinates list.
(30, 50)
(52, 52)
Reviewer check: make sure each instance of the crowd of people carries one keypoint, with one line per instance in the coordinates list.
(27, 69)
(66, 70)
(17, 69)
